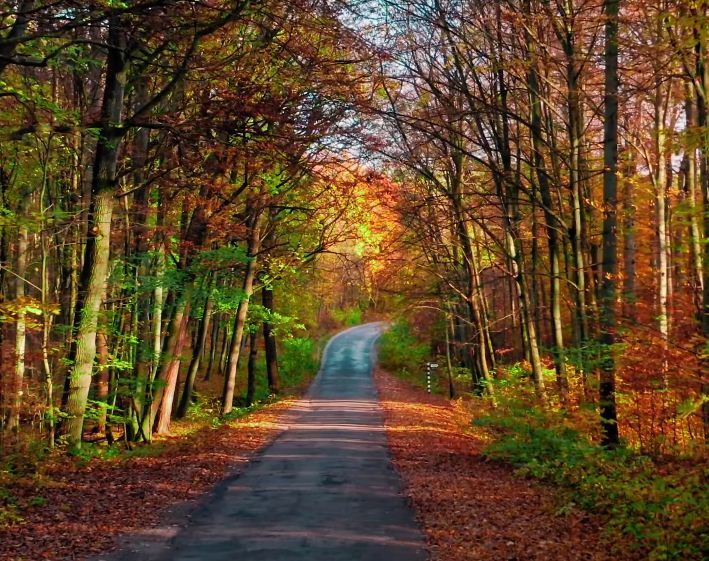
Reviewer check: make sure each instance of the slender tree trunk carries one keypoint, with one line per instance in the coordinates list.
(530, 335)
(161, 407)
(254, 243)
(702, 90)
(607, 399)
(449, 363)
(269, 340)
(103, 377)
(213, 347)
(465, 239)
(689, 167)
(251, 369)
(225, 347)
(576, 165)
(660, 180)
(196, 356)
(553, 225)
(143, 262)
(46, 336)
(629, 238)
(482, 300)
(96, 255)
(20, 327)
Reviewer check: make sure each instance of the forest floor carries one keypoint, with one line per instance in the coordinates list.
(74, 509)
(471, 508)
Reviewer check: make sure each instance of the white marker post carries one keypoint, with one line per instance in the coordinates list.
(429, 369)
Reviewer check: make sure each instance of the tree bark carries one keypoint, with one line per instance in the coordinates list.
(251, 369)
(553, 225)
(202, 332)
(690, 189)
(254, 243)
(269, 340)
(20, 327)
(214, 347)
(161, 406)
(629, 235)
(97, 250)
(607, 398)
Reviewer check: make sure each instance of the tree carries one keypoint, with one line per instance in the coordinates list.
(609, 415)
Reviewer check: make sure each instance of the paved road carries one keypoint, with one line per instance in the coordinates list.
(323, 491)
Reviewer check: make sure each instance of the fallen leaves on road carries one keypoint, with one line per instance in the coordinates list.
(83, 508)
(470, 508)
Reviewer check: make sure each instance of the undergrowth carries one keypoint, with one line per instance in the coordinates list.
(401, 353)
(658, 508)
(348, 317)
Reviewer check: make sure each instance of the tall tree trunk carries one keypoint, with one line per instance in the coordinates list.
(530, 335)
(46, 333)
(20, 326)
(251, 369)
(449, 364)
(462, 226)
(702, 91)
(202, 332)
(607, 398)
(690, 190)
(553, 225)
(567, 36)
(660, 181)
(102, 384)
(161, 407)
(269, 340)
(96, 255)
(213, 347)
(629, 237)
(254, 243)
(143, 262)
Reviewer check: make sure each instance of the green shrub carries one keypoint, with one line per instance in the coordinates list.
(401, 353)
(665, 515)
(348, 316)
(298, 361)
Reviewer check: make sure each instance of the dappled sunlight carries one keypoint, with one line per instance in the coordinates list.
(419, 428)
(349, 427)
(223, 539)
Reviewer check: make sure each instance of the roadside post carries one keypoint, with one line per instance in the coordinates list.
(429, 371)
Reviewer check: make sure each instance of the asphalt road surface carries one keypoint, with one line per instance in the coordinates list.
(324, 490)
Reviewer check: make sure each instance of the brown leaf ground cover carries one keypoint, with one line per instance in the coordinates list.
(72, 511)
(471, 508)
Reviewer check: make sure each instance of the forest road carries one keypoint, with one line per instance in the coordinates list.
(324, 490)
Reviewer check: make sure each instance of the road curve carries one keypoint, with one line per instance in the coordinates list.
(324, 490)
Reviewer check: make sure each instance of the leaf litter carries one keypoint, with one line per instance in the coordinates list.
(471, 508)
(75, 510)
